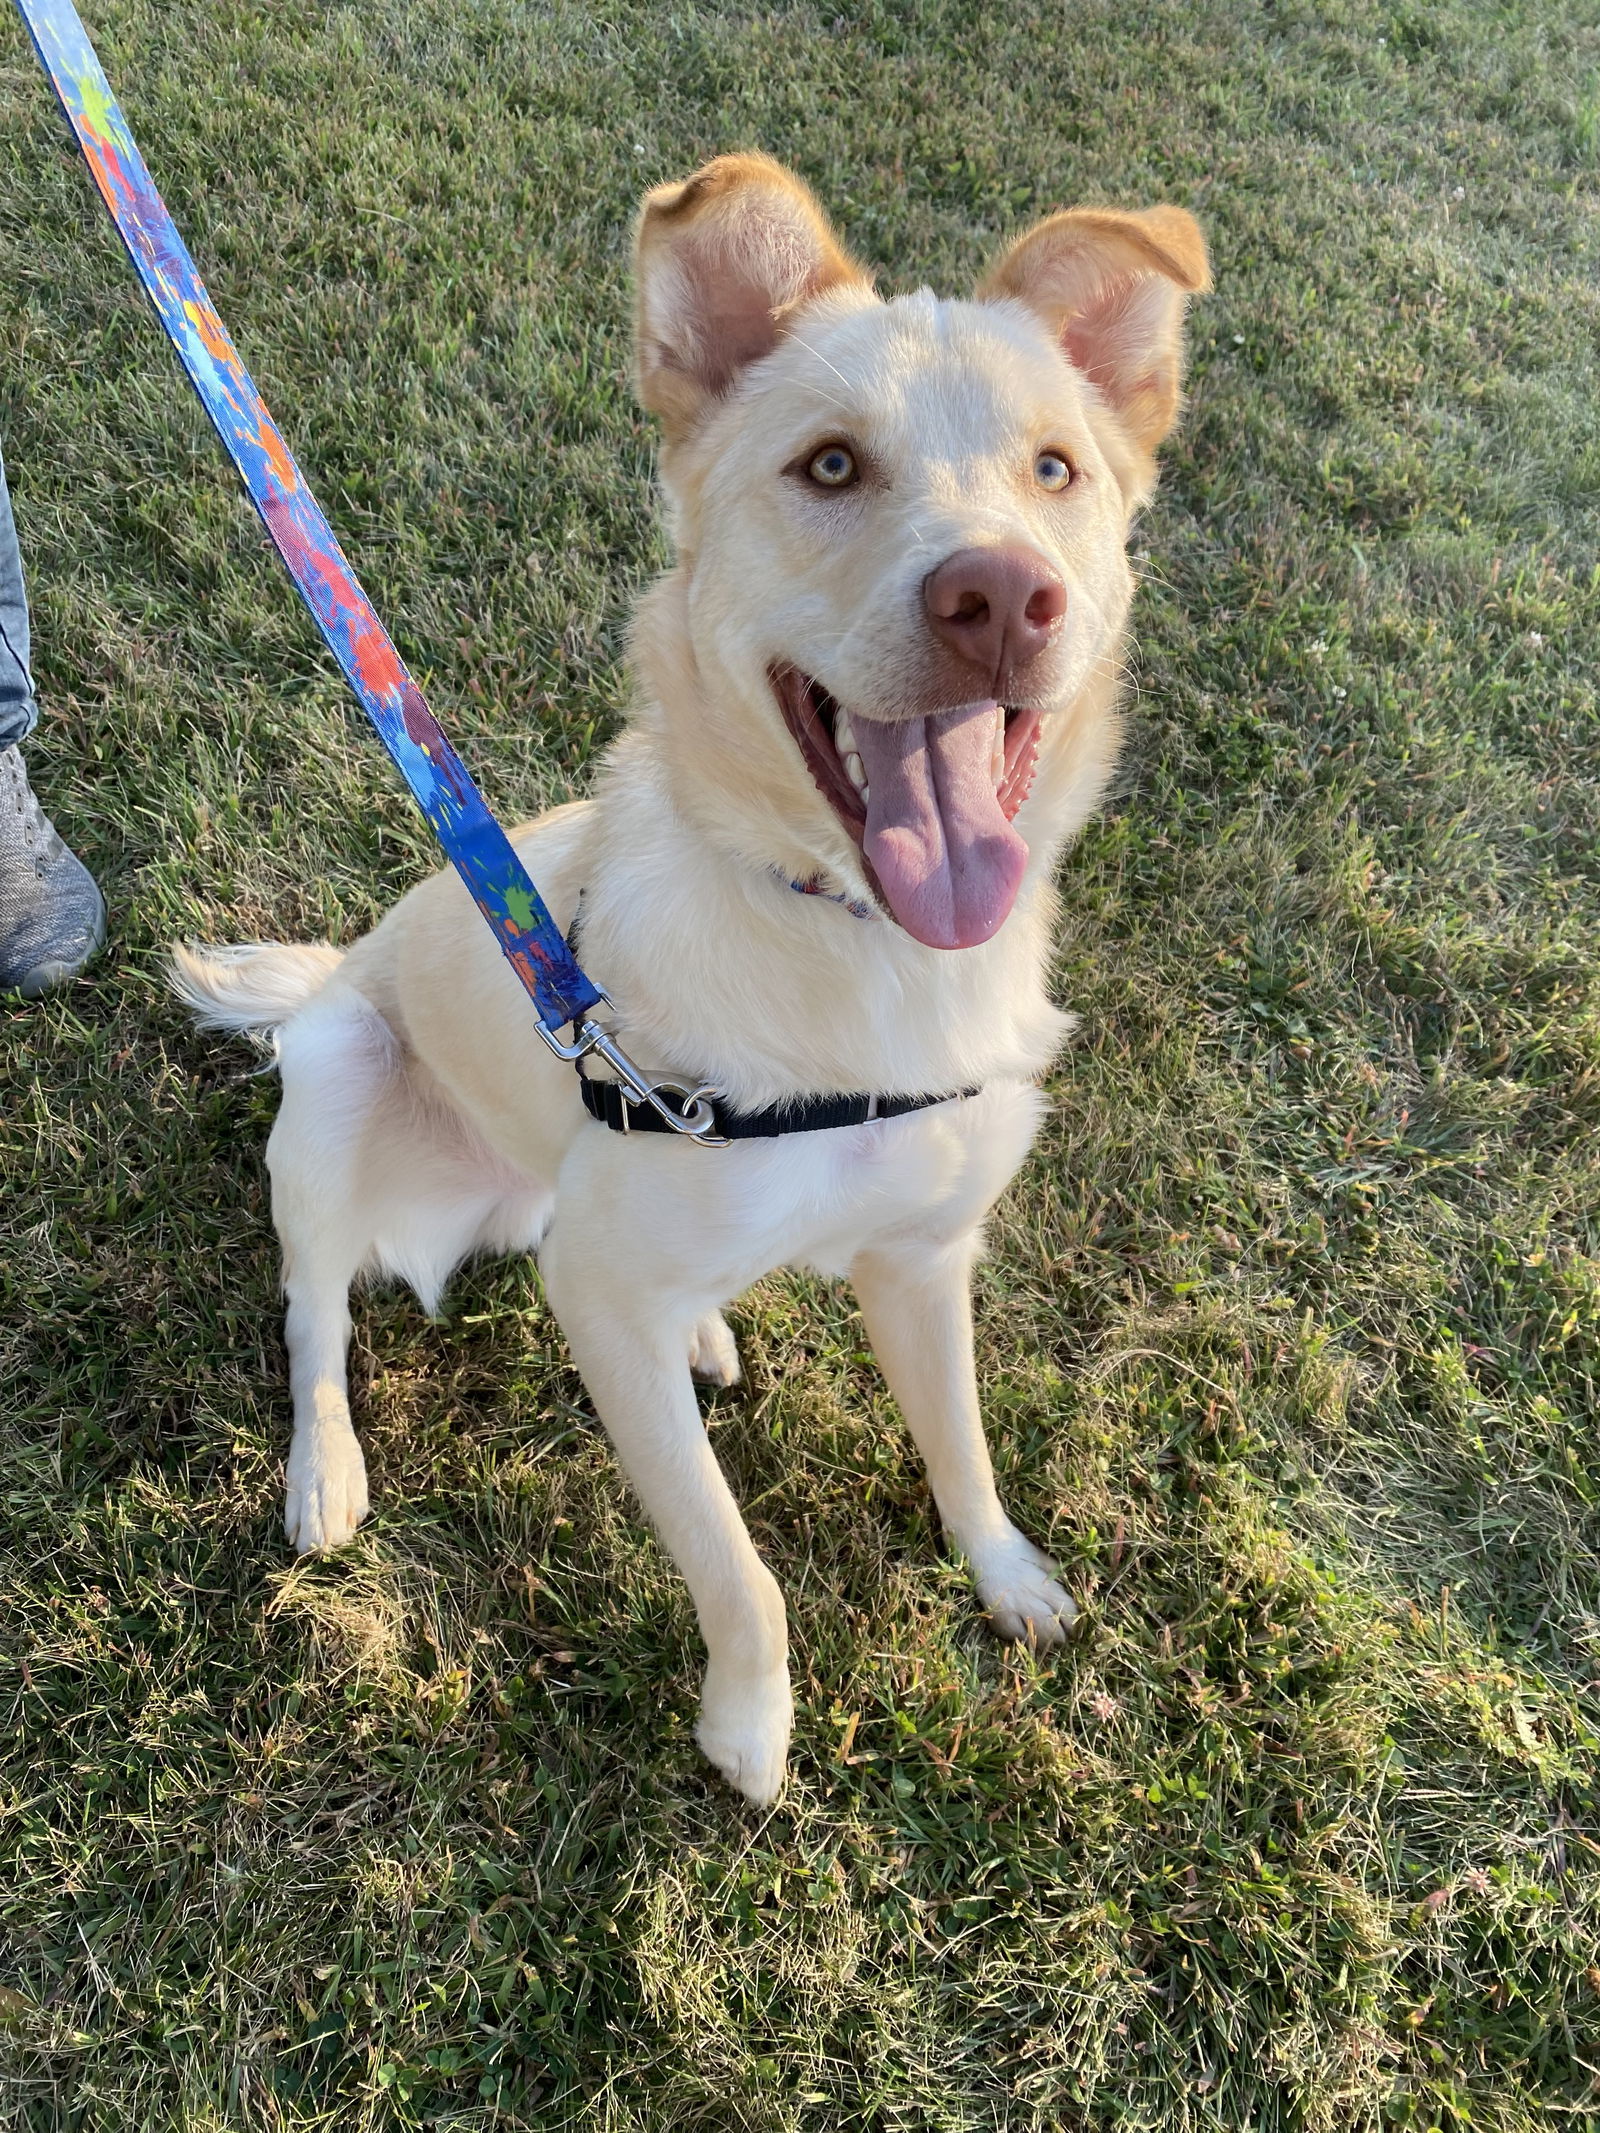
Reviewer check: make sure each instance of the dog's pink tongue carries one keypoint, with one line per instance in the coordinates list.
(945, 856)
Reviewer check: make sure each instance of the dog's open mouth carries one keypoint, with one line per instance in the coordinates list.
(929, 800)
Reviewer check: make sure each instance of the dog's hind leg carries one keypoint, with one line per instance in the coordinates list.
(916, 1298)
(337, 1059)
(713, 1351)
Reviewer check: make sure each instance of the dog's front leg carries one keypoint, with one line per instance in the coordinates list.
(632, 1349)
(916, 1297)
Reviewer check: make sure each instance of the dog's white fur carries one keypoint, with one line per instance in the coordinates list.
(422, 1120)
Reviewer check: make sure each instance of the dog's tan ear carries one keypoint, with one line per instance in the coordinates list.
(721, 262)
(1111, 285)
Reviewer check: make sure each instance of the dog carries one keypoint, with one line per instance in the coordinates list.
(883, 671)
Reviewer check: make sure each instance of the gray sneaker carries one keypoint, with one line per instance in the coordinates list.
(52, 916)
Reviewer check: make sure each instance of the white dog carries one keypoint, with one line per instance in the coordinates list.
(883, 672)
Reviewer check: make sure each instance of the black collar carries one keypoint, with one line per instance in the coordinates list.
(608, 1102)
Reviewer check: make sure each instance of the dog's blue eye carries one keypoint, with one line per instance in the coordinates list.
(1052, 471)
(833, 467)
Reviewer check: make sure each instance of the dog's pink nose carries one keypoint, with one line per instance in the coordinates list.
(995, 607)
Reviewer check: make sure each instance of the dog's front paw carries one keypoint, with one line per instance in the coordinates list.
(713, 1351)
(327, 1494)
(1017, 1585)
(744, 1729)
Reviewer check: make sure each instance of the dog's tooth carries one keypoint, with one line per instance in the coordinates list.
(856, 771)
(844, 734)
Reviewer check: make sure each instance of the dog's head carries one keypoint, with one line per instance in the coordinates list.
(901, 527)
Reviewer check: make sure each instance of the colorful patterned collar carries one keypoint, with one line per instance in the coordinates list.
(819, 884)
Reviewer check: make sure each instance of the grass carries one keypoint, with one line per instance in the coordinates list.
(1291, 1331)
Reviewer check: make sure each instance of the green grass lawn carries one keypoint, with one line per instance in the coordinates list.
(1291, 1332)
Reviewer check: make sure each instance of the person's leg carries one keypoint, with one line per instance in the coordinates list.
(18, 711)
(52, 916)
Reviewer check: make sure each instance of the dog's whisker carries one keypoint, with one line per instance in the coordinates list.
(800, 341)
(819, 392)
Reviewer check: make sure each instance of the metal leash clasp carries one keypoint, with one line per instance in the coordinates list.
(696, 1120)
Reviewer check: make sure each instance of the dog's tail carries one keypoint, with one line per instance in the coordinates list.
(253, 986)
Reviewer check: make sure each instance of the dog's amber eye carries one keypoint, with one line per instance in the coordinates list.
(1052, 471)
(833, 467)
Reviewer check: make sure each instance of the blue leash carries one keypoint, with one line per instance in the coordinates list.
(473, 840)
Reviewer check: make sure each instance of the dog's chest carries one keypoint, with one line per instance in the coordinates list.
(819, 1199)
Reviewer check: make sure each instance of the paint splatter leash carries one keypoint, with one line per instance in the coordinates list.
(473, 840)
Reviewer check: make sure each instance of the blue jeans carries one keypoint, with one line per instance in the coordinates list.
(18, 711)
